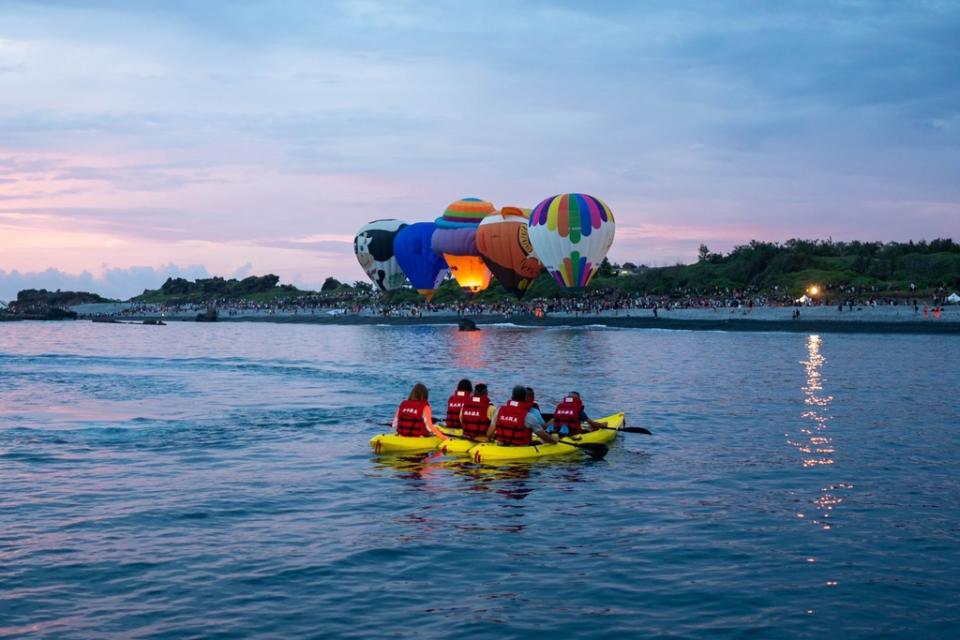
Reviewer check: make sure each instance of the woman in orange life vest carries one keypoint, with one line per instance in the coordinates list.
(570, 415)
(514, 423)
(456, 402)
(414, 418)
(476, 416)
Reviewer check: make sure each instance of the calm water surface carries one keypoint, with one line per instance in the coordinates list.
(216, 481)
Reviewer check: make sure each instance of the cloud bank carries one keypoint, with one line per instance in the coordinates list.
(110, 282)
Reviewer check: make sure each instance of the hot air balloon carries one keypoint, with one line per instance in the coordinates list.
(424, 268)
(504, 244)
(456, 239)
(571, 233)
(374, 249)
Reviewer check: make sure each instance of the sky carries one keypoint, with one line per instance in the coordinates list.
(141, 140)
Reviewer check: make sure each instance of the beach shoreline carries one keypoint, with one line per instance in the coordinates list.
(812, 319)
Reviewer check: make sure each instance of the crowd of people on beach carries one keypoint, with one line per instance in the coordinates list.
(513, 424)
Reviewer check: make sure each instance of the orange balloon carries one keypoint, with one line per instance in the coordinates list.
(469, 271)
(504, 243)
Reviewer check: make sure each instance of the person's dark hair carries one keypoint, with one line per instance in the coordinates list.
(530, 394)
(519, 393)
(480, 389)
(464, 385)
(574, 394)
(419, 392)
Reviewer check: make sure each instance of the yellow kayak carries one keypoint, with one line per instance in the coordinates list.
(491, 452)
(457, 446)
(388, 443)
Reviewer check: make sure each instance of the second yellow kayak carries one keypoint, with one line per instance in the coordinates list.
(489, 452)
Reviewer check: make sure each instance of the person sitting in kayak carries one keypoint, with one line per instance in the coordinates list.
(477, 414)
(456, 401)
(514, 423)
(570, 415)
(531, 398)
(414, 418)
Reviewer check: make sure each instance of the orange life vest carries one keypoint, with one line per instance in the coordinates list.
(476, 420)
(566, 417)
(511, 430)
(410, 419)
(454, 404)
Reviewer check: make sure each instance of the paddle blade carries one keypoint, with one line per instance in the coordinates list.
(595, 450)
(637, 430)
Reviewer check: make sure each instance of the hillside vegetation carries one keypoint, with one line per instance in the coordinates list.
(253, 288)
(794, 266)
(765, 268)
(41, 299)
(786, 269)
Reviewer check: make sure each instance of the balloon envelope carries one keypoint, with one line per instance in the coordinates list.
(504, 243)
(373, 246)
(571, 234)
(456, 239)
(423, 267)
(466, 211)
(469, 272)
(459, 242)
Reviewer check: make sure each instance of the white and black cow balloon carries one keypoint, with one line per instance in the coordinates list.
(374, 249)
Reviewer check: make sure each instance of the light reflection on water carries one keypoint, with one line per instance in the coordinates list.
(818, 447)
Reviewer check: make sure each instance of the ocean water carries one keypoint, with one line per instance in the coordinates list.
(215, 480)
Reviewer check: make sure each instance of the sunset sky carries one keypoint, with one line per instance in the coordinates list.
(145, 139)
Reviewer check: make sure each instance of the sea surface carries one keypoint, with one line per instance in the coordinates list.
(216, 481)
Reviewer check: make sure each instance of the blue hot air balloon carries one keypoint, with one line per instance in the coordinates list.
(424, 268)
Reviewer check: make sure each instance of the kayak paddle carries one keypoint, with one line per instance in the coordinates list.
(630, 430)
(595, 450)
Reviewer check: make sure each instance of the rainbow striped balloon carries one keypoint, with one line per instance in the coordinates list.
(466, 211)
(571, 233)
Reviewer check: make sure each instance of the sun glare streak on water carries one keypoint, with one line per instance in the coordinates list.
(215, 481)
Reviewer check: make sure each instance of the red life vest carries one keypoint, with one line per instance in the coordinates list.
(410, 419)
(510, 425)
(454, 404)
(566, 417)
(476, 420)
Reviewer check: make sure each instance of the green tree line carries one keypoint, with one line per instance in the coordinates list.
(787, 268)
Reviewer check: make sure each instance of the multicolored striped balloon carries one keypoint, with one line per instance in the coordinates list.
(465, 212)
(571, 234)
